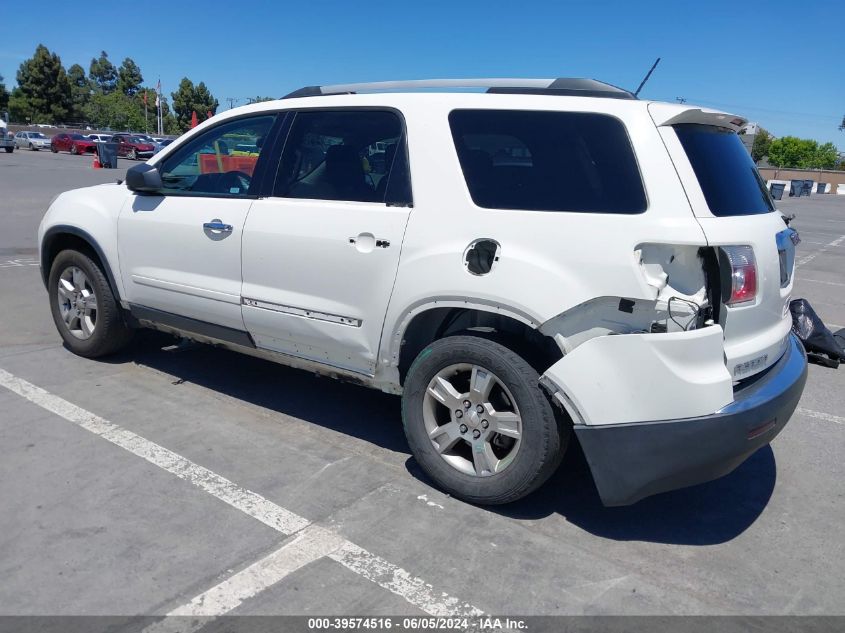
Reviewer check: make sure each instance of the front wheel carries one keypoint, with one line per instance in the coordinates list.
(477, 421)
(9, 150)
(74, 150)
(84, 308)
(133, 155)
(54, 150)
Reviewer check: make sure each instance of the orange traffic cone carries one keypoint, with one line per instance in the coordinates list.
(96, 164)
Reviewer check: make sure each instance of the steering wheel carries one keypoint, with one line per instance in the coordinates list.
(236, 179)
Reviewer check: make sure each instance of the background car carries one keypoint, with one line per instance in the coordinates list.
(132, 146)
(32, 140)
(74, 143)
(100, 138)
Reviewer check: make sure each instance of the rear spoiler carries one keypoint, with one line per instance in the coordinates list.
(670, 114)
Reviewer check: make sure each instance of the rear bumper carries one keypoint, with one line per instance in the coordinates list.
(634, 460)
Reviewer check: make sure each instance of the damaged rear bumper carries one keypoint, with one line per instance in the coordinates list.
(633, 460)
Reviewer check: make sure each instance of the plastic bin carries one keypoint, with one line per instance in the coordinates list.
(808, 187)
(777, 190)
(107, 153)
(796, 187)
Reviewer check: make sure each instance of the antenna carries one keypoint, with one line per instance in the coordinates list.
(645, 79)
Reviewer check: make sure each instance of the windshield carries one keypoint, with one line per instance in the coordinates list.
(137, 139)
(78, 137)
(727, 175)
(36, 135)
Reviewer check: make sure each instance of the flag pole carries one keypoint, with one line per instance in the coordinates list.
(146, 115)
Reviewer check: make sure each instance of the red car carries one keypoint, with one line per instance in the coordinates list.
(131, 146)
(73, 143)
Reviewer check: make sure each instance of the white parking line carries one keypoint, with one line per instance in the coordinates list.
(309, 545)
(814, 254)
(820, 415)
(820, 281)
(18, 263)
(311, 542)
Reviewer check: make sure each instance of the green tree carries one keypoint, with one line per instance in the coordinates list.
(188, 99)
(115, 110)
(80, 91)
(4, 95)
(802, 153)
(43, 92)
(129, 78)
(760, 147)
(103, 73)
(825, 157)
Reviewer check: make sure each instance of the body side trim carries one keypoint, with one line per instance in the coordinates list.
(187, 324)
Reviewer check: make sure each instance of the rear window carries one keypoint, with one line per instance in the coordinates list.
(547, 161)
(725, 171)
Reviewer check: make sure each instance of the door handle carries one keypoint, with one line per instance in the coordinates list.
(217, 226)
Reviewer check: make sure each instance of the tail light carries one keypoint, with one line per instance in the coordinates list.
(739, 274)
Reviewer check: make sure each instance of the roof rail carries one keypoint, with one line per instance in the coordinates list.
(561, 86)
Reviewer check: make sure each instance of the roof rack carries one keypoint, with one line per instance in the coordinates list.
(561, 86)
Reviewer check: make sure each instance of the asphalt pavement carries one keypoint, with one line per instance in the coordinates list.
(181, 480)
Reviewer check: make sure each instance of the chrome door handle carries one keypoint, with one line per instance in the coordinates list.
(217, 226)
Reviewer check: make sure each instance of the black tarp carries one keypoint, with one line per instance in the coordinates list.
(821, 344)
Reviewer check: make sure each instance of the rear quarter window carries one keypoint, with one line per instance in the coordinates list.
(724, 169)
(547, 161)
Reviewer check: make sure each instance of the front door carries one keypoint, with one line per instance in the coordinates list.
(320, 255)
(180, 250)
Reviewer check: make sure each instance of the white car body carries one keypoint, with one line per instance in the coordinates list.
(307, 283)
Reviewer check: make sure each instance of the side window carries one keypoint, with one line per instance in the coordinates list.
(547, 161)
(219, 162)
(355, 155)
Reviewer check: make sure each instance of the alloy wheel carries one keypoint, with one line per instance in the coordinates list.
(472, 420)
(77, 302)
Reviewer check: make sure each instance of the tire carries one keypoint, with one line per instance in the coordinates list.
(543, 436)
(109, 333)
(133, 155)
(74, 150)
(32, 148)
(53, 149)
(9, 150)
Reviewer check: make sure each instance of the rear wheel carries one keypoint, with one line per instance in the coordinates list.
(84, 308)
(9, 150)
(478, 422)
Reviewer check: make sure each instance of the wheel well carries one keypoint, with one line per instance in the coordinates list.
(58, 242)
(538, 350)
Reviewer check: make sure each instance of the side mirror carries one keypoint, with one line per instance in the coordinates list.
(143, 178)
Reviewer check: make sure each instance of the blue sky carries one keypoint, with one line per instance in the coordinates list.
(752, 58)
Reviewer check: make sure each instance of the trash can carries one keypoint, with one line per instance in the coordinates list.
(777, 190)
(107, 153)
(808, 188)
(796, 187)
(821, 187)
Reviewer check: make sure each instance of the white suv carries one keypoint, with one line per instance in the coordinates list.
(546, 257)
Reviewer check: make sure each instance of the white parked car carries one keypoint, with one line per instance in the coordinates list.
(100, 138)
(547, 258)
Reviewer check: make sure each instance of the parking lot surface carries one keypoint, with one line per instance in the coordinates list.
(197, 481)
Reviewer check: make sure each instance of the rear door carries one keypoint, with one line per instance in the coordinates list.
(320, 255)
(734, 208)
